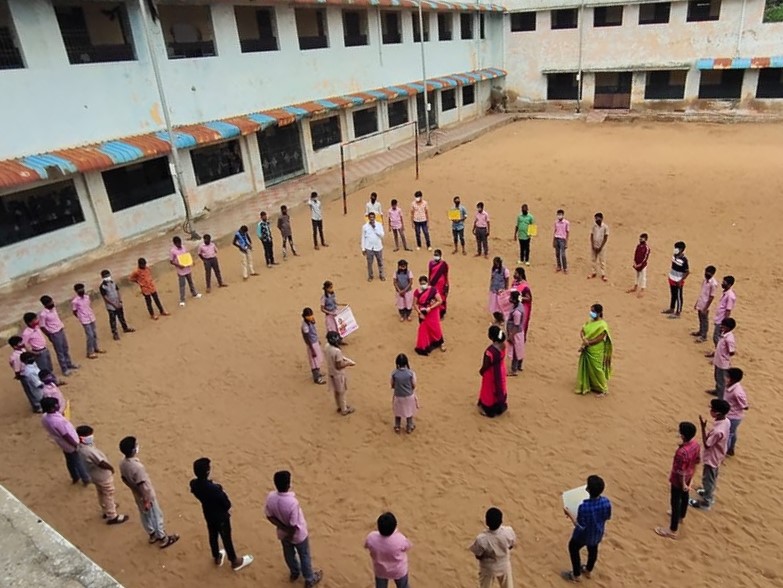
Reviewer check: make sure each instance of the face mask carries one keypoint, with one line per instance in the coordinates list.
(593, 314)
(559, 217)
(422, 287)
(49, 306)
(418, 198)
(89, 440)
(136, 451)
(107, 279)
(676, 251)
(436, 258)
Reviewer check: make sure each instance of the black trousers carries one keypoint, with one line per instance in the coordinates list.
(679, 504)
(318, 231)
(676, 297)
(148, 298)
(269, 252)
(524, 249)
(114, 316)
(574, 547)
(221, 528)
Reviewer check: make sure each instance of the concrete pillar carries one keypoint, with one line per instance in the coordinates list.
(39, 36)
(254, 162)
(692, 82)
(99, 201)
(224, 22)
(588, 90)
(749, 83)
(287, 37)
(638, 83)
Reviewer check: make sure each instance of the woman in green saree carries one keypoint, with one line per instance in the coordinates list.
(595, 355)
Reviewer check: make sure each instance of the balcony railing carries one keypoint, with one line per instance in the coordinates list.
(100, 53)
(192, 49)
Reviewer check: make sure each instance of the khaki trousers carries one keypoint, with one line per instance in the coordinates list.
(247, 263)
(105, 491)
(504, 579)
(599, 261)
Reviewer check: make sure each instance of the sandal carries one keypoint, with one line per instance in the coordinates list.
(667, 533)
(397, 429)
(569, 577)
(153, 539)
(410, 429)
(118, 520)
(320, 381)
(169, 541)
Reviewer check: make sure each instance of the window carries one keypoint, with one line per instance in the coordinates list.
(281, 153)
(445, 26)
(466, 25)
(770, 83)
(468, 95)
(355, 28)
(365, 121)
(613, 89)
(448, 100)
(702, 10)
(136, 184)
(523, 21)
(425, 18)
(567, 18)
(325, 132)
(721, 84)
(188, 31)
(657, 13)
(665, 85)
(10, 56)
(562, 86)
(398, 112)
(390, 28)
(311, 28)
(773, 11)
(217, 162)
(257, 29)
(608, 16)
(95, 33)
(30, 213)
(482, 26)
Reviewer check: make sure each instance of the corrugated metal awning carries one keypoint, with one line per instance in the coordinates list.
(63, 162)
(429, 5)
(620, 68)
(739, 62)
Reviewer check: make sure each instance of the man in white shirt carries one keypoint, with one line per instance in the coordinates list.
(374, 206)
(372, 245)
(317, 219)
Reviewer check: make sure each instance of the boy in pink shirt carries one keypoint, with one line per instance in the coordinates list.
(738, 404)
(50, 389)
(207, 252)
(389, 552)
(716, 444)
(706, 295)
(82, 310)
(177, 255)
(726, 304)
(397, 226)
(721, 361)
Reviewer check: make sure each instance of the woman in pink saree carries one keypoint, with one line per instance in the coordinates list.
(439, 278)
(426, 302)
(493, 396)
(520, 285)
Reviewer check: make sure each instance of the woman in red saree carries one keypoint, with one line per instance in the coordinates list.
(426, 301)
(493, 396)
(439, 278)
(520, 285)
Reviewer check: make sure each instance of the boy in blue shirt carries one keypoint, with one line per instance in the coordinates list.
(588, 529)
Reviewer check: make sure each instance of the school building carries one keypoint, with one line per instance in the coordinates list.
(669, 56)
(261, 91)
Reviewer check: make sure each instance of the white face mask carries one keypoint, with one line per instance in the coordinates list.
(107, 279)
(136, 451)
(676, 251)
(422, 287)
(436, 258)
(89, 440)
(418, 198)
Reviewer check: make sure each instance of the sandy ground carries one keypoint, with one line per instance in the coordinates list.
(226, 377)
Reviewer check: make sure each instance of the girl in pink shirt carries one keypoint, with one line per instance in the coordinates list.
(389, 553)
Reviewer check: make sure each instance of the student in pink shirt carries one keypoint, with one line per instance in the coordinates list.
(184, 272)
(50, 389)
(53, 328)
(481, 230)
(560, 240)
(716, 444)
(389, 552)
(397, 226)
(63, 434)
(706, 295)
(721, 361)
(207, 252)
(35, 342)
(82, 310)
(725, 307)
(738, 404)
(283, 511)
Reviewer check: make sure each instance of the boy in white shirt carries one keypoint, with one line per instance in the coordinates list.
(492, 549)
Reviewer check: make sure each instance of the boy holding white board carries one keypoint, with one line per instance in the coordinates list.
(589, 522)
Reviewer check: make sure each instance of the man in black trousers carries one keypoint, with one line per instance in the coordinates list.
(216, 507)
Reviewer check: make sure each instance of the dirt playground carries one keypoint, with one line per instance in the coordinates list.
(226, 377)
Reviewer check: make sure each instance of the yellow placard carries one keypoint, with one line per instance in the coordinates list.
(185, 259)
(67, 411)
(455, 214)
(532, 230)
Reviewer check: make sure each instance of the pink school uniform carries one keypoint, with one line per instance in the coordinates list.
(405, 402)
(497, 284)
(404, 280)
(389, 554)
(52, 391)
(316, 356)
(723, 352)
(395, 218)
(82, 306)
(516, 342)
